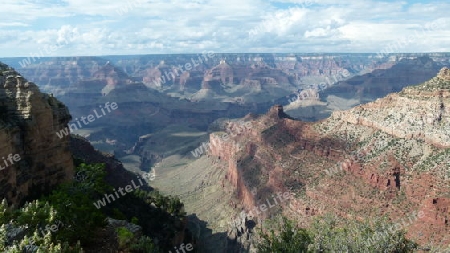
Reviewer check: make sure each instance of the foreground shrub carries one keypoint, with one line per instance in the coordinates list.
(329, 234)
(332, 234)
(284, 238)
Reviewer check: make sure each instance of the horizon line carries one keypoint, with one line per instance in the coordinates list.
(254, 53)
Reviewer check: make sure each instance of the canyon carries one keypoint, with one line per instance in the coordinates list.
(222, 86)
(389, 139)
(405, 169)
(393, 155)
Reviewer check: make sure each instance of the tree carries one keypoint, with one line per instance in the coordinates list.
(334, 235)
(288, 239)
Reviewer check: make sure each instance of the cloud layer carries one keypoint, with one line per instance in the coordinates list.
(104, 27)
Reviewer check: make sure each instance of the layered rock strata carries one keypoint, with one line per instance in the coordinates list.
(389, 157)
(29, 121)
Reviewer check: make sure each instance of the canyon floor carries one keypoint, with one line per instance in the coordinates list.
(197, 183)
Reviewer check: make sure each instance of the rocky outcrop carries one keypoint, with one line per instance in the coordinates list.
(444, 74)
(418, 112)
(28, 126)
(382, 158)
(133, 228)
(112, 78)
(241, 235)
(152, 78)
(222, 72)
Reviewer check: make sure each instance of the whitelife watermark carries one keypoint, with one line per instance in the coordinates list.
(304, 94)
(110, 197)
(188, 246)
(49, 49)
(263, 207)
(12, 159)
(129, 6)
(261, 27)
(49, 229)
(73, 126)
(183, 68)
(403, 42)
(150, 176)
(203, 148)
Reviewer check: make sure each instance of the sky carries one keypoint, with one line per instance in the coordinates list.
(49, 28)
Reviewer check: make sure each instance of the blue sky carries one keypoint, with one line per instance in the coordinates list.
(114, 27)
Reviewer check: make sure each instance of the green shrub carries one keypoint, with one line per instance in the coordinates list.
(329, 234)
(118, 215)
(6, 213)
(144, 245)
(333, 235)
(124, 237)
(71, 208)
(288, 239)
(36, 215)
(73, 201)
(135, 220)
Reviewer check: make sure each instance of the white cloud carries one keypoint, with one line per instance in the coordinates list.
(13, 24)
(177, 26)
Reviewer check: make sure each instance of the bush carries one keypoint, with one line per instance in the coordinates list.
(76, 220)
(65, 217)
(135, 220)
(144, 245)
(74, 201)
(288, 239)
(34, 216)
(355, 236)
(328, 234)
(124, 237)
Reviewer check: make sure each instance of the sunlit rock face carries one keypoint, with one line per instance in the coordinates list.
(28, 126)
(356, 163)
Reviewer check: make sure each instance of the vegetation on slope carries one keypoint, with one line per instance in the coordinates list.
(67, 220)
(328, 235)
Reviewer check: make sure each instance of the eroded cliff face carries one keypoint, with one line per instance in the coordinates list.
(28, 126)
(209, 71)
(223, 85)
(418, 112)
(389, 157)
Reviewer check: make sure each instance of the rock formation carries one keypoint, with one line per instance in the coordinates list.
(444, 74)
(28, 126)
(388, 157)
(222, 72)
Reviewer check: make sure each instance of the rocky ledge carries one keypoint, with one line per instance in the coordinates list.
(419, 112)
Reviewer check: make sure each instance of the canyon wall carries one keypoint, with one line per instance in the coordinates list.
(28, 125)
(388, 157)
